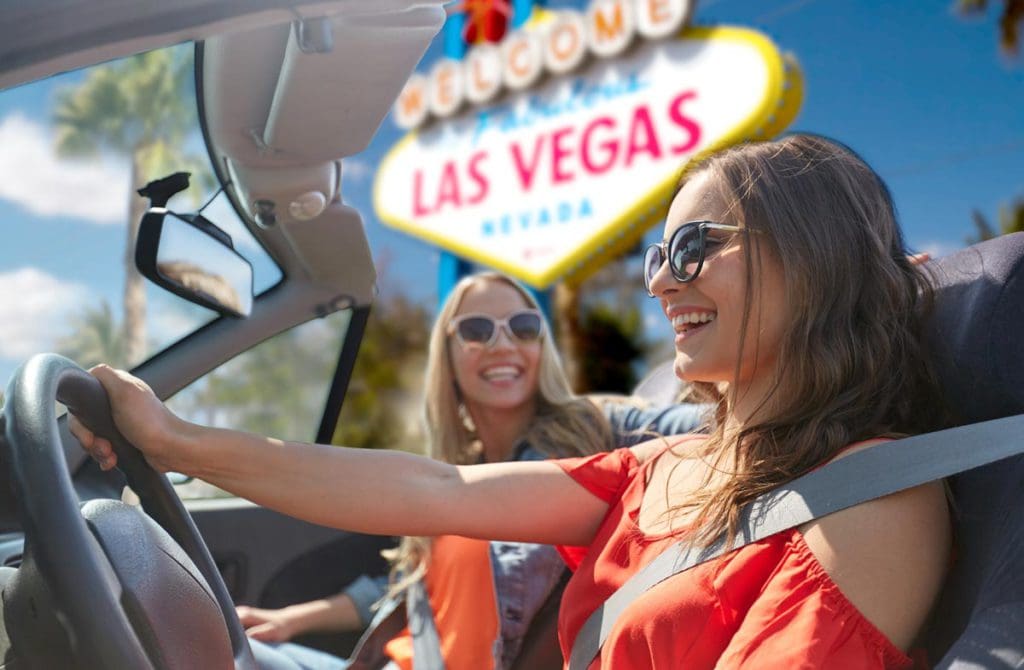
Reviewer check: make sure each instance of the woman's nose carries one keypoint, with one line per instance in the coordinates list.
(504, 339)
(663, 282)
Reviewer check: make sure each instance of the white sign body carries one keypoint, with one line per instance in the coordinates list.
(542, 182)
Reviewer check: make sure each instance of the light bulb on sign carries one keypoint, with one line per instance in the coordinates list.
(612, 25)
(565, 46)
(483, 73)
(447, 87)
(413, 103)
(524, 59)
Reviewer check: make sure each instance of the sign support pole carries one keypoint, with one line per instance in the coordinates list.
(452, 268)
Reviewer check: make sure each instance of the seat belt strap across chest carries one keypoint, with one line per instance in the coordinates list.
(862, 476)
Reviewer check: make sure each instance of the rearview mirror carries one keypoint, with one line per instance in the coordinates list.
(192, 258)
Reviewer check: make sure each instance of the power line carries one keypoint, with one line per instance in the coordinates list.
(957, 157)
(782, 10)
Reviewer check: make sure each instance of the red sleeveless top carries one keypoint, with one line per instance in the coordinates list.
(767, 605)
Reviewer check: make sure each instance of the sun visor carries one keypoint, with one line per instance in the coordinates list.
(38, 39)
(324, 108)
(240, 73)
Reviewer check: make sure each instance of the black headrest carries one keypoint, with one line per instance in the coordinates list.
(977, 330)
(976, 334)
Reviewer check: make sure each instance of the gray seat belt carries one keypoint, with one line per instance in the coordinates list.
(865, 475)
(426, 643)
(412, 610)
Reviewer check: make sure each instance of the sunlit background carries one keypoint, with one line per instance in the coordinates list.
(922, 90)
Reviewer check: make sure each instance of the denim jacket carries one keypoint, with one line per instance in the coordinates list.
(525, 574)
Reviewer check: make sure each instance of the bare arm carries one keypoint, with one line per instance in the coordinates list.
(365, 490)
(395, 493)
(888, 556)
(336, 613)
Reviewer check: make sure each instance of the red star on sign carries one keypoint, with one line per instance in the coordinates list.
(486, 21)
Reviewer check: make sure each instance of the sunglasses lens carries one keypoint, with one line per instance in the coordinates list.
(526, 326)
(684, 251)
(652, 263)
(476, 329)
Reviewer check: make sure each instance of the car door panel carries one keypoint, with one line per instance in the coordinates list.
(272, 560)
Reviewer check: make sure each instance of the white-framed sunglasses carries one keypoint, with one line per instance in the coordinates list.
(481, 330)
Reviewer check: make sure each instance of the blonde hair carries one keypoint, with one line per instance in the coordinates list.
(564, 425)
(852, 363)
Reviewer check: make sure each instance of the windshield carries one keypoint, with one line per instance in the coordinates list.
(75, 149)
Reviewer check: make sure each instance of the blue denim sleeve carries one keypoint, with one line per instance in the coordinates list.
(364, 592)
(633, 425)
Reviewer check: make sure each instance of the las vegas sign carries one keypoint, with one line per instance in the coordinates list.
(545, 179)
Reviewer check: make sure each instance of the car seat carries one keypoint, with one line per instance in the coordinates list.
(977, 338)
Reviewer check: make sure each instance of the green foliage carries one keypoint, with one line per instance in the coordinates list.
(1011, 220)
(128, 104)
(601, 330)
(95, 337)
(612, 345)
(142, 108)
(383, 403)
(1010, 18)
(277, 388)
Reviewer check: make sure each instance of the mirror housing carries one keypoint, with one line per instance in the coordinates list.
(192, 258)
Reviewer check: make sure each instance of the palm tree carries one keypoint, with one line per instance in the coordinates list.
(141, 108)
(1010, 20)
(1011, 217)
(600, 332)
(1011, 220)
(382, 407)
(95, 337)
(613, 344)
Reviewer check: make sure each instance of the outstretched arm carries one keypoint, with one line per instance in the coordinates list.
(364, 490)
(335, 613)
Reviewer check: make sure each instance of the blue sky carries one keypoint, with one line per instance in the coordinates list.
(923, 94)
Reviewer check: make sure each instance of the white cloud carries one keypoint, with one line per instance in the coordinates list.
(170, 318)
(34, 307)
(226, 218)
(32, 176)
(939, 248)
(355, 171)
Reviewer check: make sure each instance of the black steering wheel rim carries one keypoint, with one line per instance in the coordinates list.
(37, 462)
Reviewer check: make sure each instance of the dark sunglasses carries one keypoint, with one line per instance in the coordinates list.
(482, 330)
(685, 251)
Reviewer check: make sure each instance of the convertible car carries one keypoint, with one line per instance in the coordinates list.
(272, 279)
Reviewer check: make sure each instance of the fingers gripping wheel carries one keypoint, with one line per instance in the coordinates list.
(113, 575)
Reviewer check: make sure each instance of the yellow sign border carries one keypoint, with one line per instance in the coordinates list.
(785, 89)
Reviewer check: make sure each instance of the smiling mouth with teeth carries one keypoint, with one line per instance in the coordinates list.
(500, 373)
(690, 321)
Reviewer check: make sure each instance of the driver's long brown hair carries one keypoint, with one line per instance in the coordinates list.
(852, 363)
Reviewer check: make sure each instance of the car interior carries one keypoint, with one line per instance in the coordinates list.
(286, 90)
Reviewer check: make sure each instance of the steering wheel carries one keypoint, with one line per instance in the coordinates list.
(128, 593)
